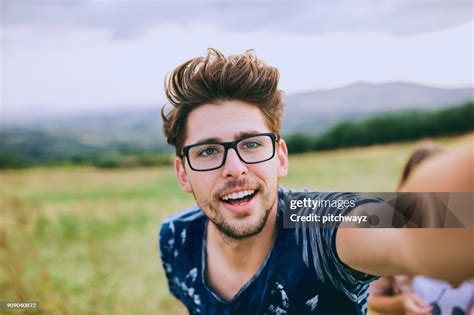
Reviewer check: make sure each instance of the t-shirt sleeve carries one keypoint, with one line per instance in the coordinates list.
(166, 241)
(319, 251)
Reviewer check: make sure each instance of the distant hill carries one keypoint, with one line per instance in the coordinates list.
(316, 111)
(140, 130)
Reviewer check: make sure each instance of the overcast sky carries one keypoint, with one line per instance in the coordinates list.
(80, 55)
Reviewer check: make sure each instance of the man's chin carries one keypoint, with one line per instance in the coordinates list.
(242, 225)
(240, 231)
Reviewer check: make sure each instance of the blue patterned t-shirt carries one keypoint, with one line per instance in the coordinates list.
(302, 273)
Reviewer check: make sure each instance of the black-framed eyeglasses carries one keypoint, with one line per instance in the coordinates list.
(211, 155)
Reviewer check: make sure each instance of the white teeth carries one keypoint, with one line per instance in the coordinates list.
(238, 195)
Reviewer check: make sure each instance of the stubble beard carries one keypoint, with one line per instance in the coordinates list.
(236, 232)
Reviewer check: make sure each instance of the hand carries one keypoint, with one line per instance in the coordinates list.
(414, 305)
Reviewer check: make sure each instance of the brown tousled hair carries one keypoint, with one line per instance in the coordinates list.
(214, 79)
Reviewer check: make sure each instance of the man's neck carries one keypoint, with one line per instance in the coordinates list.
(247, 253)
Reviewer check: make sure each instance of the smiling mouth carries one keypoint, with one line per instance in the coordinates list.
(239, 198)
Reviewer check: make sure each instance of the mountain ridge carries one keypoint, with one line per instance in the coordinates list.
(310, 112)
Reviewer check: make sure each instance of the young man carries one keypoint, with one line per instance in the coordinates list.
(230, 254)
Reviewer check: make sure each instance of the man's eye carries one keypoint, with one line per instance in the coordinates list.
(208, 152)
(251, 145)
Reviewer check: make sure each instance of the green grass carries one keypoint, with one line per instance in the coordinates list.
(83, 240)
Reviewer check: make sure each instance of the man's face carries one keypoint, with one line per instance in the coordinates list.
(246, 216)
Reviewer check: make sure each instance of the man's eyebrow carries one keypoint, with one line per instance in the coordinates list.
(237, 136)
(209, 140)
(244, 134)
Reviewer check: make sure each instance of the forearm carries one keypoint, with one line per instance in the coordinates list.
(386, 304)
(439, 253)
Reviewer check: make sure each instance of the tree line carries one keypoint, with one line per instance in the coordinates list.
(383, 128)
(386, 128)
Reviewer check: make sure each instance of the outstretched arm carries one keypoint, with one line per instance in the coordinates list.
(438, 253)
(446, 254)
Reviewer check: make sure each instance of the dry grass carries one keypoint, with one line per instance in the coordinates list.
(83, 241)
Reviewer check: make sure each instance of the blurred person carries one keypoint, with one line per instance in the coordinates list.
(230, 253)
(452, 171)
(421, 153)
(421, 295)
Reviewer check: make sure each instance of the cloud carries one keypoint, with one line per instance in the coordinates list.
(130, 19)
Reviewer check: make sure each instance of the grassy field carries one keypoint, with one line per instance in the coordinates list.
(83, 241)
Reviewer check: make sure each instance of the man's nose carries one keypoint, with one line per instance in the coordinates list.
(233, 166)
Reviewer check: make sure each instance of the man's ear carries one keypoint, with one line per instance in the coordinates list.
(182, 175)
(282, 158)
